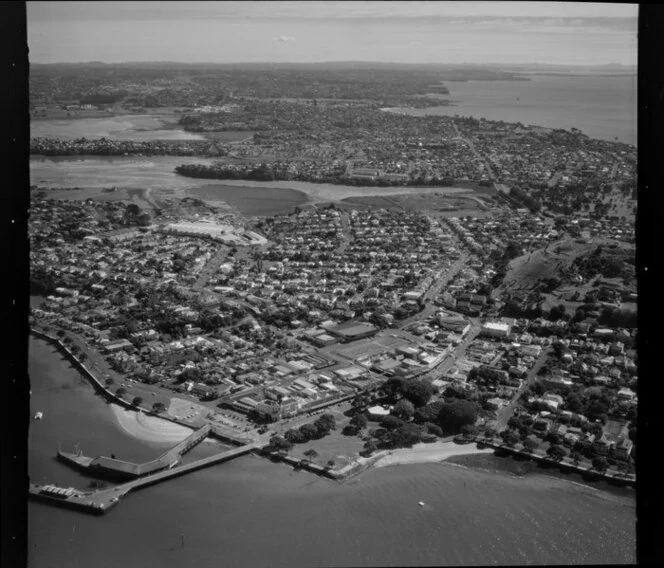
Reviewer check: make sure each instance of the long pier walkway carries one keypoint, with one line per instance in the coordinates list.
(99, 502)
(107, 497)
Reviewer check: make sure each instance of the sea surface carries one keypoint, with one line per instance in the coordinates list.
(252, 512)
(601, 107)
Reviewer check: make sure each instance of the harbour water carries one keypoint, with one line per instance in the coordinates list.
(601, 107)
(252, 512)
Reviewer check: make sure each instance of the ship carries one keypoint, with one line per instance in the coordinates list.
(39, 415)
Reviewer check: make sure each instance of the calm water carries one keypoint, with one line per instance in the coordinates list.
(133, 127)
(601, 107)
(253, 200)
(251, 512)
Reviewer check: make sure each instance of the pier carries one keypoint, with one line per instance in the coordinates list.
(99, 502)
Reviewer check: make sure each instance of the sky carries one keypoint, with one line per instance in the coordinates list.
(563, 33)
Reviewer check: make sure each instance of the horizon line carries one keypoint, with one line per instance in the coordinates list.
(337, 61)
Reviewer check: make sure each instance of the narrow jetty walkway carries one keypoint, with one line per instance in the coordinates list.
(99, 502)
(107, 497)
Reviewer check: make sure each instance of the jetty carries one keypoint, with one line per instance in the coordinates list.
(98, 502)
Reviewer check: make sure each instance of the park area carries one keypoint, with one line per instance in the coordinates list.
(335, 446)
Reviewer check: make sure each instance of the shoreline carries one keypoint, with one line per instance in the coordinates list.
(429, 453)
(508, 465)
(326, 192)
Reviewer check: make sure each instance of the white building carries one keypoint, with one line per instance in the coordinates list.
(495, 329)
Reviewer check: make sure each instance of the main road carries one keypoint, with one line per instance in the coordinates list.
(506, 412)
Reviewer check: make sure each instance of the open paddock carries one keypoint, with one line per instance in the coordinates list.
(370, 347)
(440, 203)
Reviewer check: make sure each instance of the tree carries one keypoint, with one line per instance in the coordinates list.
(309, 431)
(394, 386)
(137, 401)
(360, 421)
(279, 444)
(600, 464)
(121, 391)
(370, 447)
(556, 452)
(60, 333)
(418, 392)
(324, 425)
(403, 409)
(454, 415)
(158, 407)
(469, 430)
(510, 438)
(82, 357)
(311, 454)
(360, 402)
(429, 413)
(530, 444)
(109, 382)
(391, 422)
(295, 436)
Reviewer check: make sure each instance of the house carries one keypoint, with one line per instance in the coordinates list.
(623, 448)
(601, 445)
(558, 381)
(118, 345)
(559, 431)
(626, 394)
(570, 438)
(495, 403)
(542, 425)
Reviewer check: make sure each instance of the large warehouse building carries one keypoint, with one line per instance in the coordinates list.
(225, 233)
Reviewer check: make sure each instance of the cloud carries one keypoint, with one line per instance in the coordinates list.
(286, 39)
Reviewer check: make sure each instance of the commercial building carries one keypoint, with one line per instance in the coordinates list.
(495, 329)
(211, 230)
(353, 331)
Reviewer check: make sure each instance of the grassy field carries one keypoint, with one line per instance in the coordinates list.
(442, 203)
(527, 270)
(333, 447)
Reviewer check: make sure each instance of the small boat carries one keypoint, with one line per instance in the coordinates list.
(421, 503)
(39, 415)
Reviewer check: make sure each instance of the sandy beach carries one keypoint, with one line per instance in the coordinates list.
(149, 428)
(428, 453)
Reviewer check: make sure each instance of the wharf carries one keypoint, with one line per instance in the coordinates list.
(101, 501)
(71, 498)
